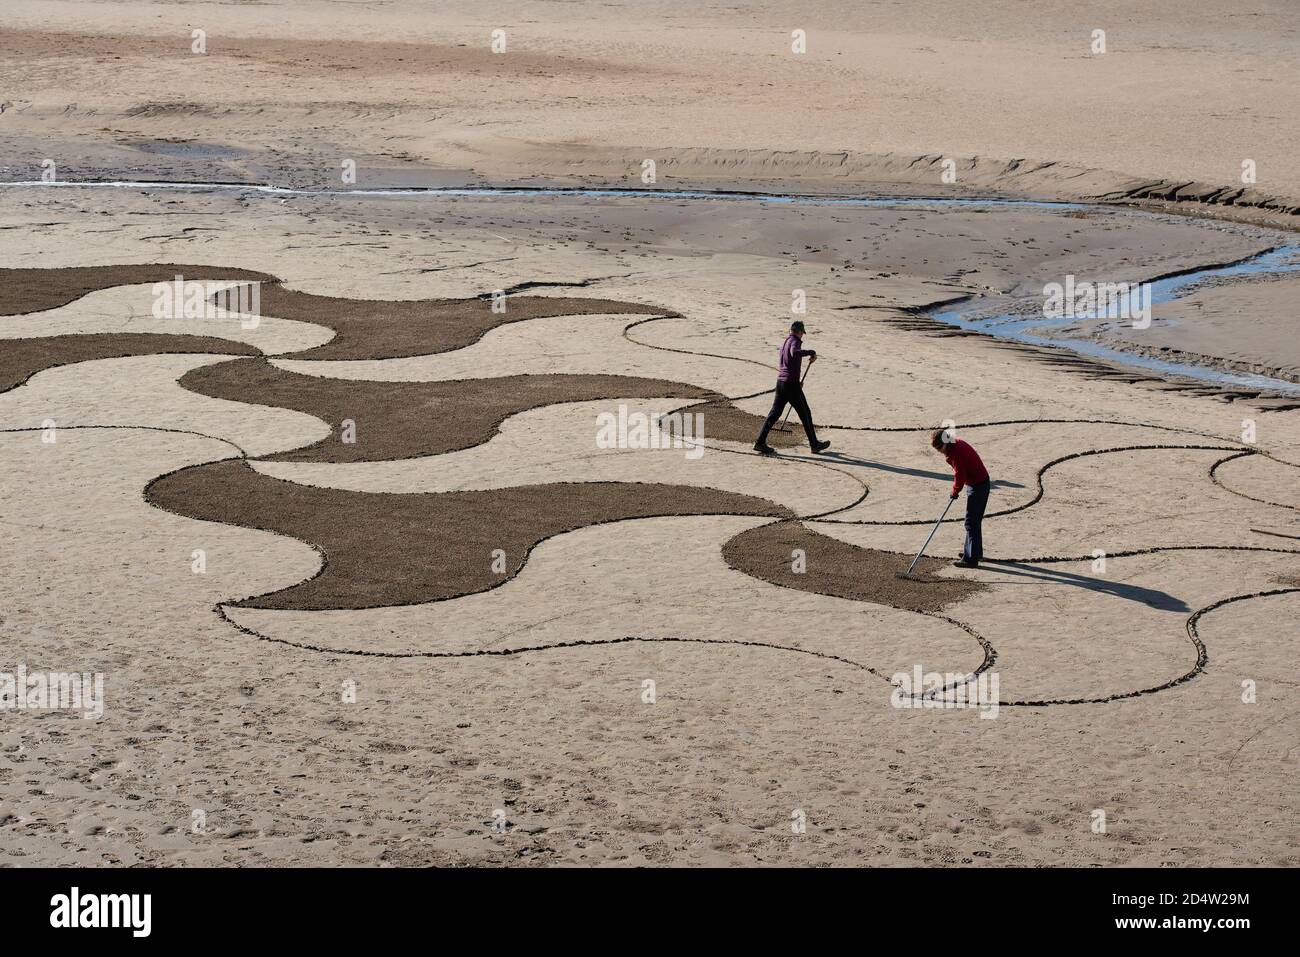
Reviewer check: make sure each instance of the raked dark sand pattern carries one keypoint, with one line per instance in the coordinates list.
(36, 290)
(834, 567)
(20, 359)
(395, 329)
(1122, 678)
(386, 549)
(382, 550)
(401, 420)
(382, 556)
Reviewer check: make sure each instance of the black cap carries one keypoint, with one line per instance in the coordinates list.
(796, 326)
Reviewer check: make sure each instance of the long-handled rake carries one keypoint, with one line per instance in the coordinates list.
(790, 408)
(908, 573)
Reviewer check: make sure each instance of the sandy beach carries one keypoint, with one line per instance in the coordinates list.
(367, 587)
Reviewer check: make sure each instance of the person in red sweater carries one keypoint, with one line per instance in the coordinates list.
(968, 471)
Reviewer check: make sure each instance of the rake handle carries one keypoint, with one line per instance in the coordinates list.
(931, 535)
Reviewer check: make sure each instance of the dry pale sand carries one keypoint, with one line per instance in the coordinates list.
(1184, 92)
(1120, 687)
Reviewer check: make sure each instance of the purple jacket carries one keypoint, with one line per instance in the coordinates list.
(791, 359)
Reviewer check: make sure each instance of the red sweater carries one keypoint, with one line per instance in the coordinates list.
(966, 465)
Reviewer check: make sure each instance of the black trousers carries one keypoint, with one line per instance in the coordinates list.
(789, 393)
(977, 498)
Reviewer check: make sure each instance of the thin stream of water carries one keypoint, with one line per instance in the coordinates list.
(967, 315)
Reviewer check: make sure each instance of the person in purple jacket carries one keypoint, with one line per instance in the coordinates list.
(789, 391)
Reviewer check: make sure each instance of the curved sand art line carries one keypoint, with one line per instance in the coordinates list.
(240, 453)
(745, 551)
(1038, 496)
(739, 426)
(843, 570)
(989, 654)
(356, 577)
(731, 423)
(1214, 477)
(858, 574)
(1193, 634)
(774, 569)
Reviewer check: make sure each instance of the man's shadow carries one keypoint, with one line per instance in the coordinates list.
(886, 467)
(1150, 597)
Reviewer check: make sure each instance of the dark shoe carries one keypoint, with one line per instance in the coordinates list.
(962, 563)
(764, 448)
(822, 446)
